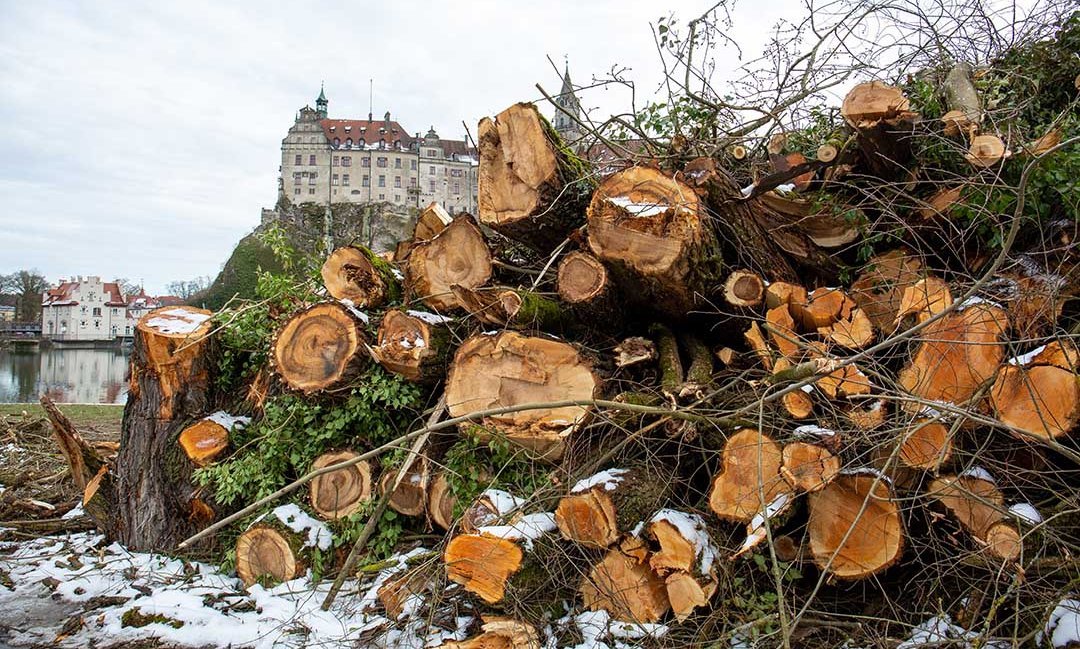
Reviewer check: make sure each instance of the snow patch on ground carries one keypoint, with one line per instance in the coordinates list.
(299, 521)
(213, 607)
(608, 479)
(597, 626)
(978, 473)
(504, 502)
(940, 631)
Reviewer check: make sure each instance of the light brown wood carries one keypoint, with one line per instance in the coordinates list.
(777, 293)
(1046, 142)
(940, 202)
(342, 492)
(957, 354)
(827, 152)
(499, 633)
(923, 300)
(431, 222)
(957, 123)
(625, 586)
(415, 345)
(441, 502)
(776, 144)
(927, 444)
(508, 369)
(175, 338)
(687, 565)
(854, 332)
(744, 288)
(1039, 400)
(879, 288)
(397, 589)
(756, 341)
(781, 328)
(986, 151)
(978, 505)
(482, 564)
(456, 256)
(823, 307)
(798, 404)
(320, 348)
(582, 278)
(737, 151)
(266, 552)
(749, 478)
(203, 441)
(808, 467)
(633, 351)
(597, 516)
(855, 527)
(653, 231)
(530, 191)
(356, 274)
(411, 496)
(872, 102)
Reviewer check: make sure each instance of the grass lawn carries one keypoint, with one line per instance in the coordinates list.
(104, 418)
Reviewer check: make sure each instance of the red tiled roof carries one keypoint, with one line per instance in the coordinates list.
(116, 296)
(60, 295)
(367, 132)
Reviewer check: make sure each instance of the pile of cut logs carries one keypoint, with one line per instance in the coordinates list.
(630, 331)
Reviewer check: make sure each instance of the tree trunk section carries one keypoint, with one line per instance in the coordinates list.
(342, 492)
(320, 348)
(509, 369)
(360, 276)
(653, 233)
(855, 527)
(749, 478)
(532, 189)
(269, 553)
(602, 508)
(456, 256)
(414, 344)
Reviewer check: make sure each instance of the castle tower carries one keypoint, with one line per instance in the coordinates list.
(321, 103)
(567, 111)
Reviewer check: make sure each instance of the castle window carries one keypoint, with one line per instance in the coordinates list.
(311, 179)
(299, 159)
(296, 191)
(337, 141)
(366, 181)
(334, 179)
(412, 182)
(397, 198)
(336, 161)
(365, 162)
(348, 142)
(457, 188)
(346, 161)
(397, 163)
(397, 181)
(414, 165)
(97, 312)
(431, 171)
(345, 179)
(311, 190)
(348, 128)
(382, 181)
(432, 186)
(455, 173)
(381, 162)
(311, 159)
(296, 179)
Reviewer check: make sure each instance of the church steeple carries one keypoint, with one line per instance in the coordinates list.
(321, 103)
(567, 110)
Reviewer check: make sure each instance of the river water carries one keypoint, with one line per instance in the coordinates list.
(66, 375)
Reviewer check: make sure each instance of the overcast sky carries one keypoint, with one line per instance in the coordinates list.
(141, 142)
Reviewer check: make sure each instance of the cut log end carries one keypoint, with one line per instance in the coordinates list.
(441, 502)
(482, 564)
(582, 278)
(339, 493)
(410, 497)
(588, 518)
(412, 346)
(855, 527)
(319, 348)
(744, 288)
(264, 552)
(626, 587)
(749, 478)
(1040, 400)
(204, 441)
(928, 445)
(870, 103)
(456, 256)
(978, 505)
(809, 467)
(355, 274)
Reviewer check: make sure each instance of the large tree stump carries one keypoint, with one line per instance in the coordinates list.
(457, 256)
(320, 348)
(654, 233)
(509, 369)
(881, 116)
(855, 527)
(358, 275)
(414, 344)
(170, 386)
(531, 189)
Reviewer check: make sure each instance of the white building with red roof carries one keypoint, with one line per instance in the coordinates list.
(326, 160)
(85, 309)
